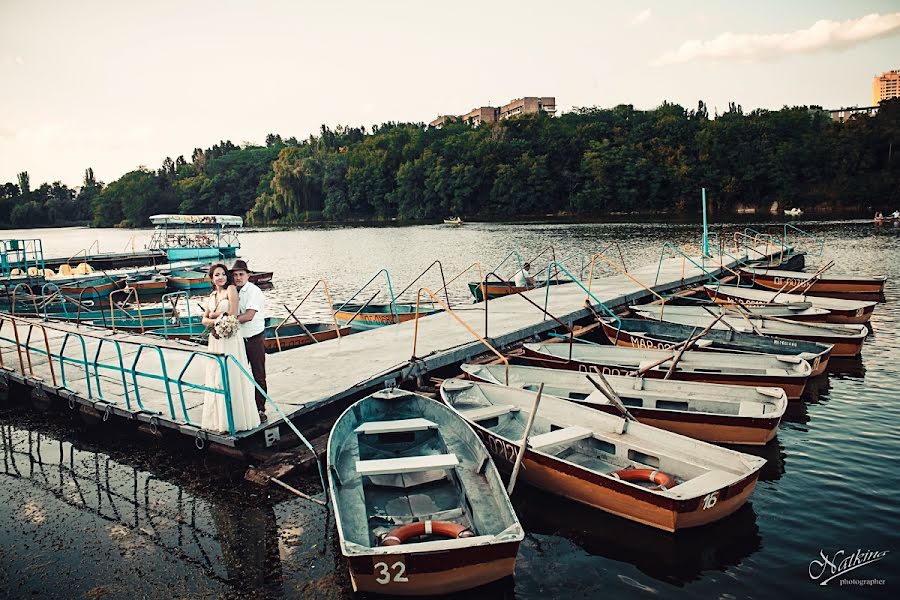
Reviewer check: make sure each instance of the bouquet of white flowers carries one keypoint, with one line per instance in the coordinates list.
(226, 326)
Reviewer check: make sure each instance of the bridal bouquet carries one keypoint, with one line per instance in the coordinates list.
(226, 326)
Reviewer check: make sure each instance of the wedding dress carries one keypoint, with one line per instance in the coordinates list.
(243, 403)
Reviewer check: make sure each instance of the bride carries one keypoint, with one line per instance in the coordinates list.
(224, 300)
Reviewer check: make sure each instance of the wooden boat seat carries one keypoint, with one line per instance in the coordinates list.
(406, 464)
(708, 482)
(399, 426)
(488, 412)
(752, 409)
(566, 435)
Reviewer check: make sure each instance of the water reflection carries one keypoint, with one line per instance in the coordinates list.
(774, 454)
(849, 366)
(672, 558)
(211, 530)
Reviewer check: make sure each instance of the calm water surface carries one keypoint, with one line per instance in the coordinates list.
(93, 513)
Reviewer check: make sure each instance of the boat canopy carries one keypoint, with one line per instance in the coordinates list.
(223, 220)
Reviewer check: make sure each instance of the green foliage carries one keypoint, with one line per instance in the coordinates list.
(587, 162)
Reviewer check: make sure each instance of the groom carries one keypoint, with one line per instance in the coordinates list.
(251, 303)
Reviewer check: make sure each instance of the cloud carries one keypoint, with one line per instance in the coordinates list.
(641, 17)
(822, 35)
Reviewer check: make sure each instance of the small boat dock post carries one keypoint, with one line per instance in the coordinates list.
(160, 385)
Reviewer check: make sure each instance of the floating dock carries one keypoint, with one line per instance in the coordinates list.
(162, 384)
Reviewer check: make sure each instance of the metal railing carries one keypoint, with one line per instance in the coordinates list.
(387, 275)
(684, 257)
(292, 313)
(803, 235)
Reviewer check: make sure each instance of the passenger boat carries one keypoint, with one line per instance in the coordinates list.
(842, 311)
(721, 414)
(189, 280)
(852, 286)
(645, 333)
(800, 311)
(498, 289)
(793, 212)
(372, 316)
(880, 219)
(629, 469)
(196, 237)
(453, 221)
(284, 335)
(733, 368)
(846, 340)
(419, 505)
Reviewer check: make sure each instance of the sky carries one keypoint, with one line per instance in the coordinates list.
(114, 85)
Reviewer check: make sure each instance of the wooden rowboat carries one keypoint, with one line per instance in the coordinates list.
(91, 289)
(591, 457)
(260, 277)
(372, 316)
(849, 286)
(498, 289)
(723, 414)
(644, 333)
(188, 280)
(284, 335)
(147, 284)
(757, 370)
(842, 311)
(846, 340)
(801, 311)
(419, 505)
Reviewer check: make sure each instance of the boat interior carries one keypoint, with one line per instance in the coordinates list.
(597, 444)
(400, 464)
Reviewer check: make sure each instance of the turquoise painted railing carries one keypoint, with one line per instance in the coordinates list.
(671, 246)
(792, 248)
(374, 277)
(52, 286)
(577, 282)
(515, 253)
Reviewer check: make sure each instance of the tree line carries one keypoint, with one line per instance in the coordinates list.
(585, 163)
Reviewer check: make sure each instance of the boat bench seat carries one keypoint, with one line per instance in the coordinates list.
(399, 426)
(406, 464)
(566, 435)
(752, 409)
(710, 481)
(488, 412)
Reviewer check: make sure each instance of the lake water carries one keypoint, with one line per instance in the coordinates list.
(93, 513)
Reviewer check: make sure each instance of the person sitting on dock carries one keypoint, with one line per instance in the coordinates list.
(253, 328)
(523, 278)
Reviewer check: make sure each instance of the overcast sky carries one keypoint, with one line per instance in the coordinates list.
(117, 84)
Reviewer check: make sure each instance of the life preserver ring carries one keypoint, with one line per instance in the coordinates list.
(660, 478)
(183, 241)
(399, 535)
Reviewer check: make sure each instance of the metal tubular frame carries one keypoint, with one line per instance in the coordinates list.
(165, 378)
(15, 290)
(337, 327)
(684, 256)
(422, 274)
(458, 320)
(621, 270)
(98, 366)
(803, 233)
(12, 319)
(63, 359)
(225, 391)
(129, 292)
(390, 290)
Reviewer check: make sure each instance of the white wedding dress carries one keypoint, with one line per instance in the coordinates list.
(243, 403)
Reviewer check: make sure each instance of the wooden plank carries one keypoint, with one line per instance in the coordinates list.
(566, 435)
(488, 412)
(398, 426)
(406, 464)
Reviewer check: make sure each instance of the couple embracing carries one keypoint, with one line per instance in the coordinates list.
(234, 314)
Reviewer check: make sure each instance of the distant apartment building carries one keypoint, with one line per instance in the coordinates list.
(886, 86)
(490, 114)
(841, 115)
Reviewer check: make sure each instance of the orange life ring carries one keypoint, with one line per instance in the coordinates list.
(660, 478)
(399, 535)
